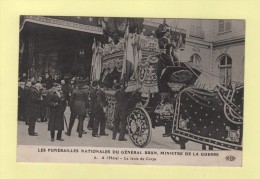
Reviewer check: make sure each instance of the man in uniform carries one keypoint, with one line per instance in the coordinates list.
(167, 44)
(93, 99)
(78, 105)
(99, 112)
(121, 112)
(34, 101)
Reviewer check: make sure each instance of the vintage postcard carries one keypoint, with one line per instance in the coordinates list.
(138, 91)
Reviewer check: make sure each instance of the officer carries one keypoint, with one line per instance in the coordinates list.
(167, 43)
(92, 101)
(78, 104)
(99, 112)
(121, 112)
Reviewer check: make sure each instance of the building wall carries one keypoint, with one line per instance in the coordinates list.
(237, 30)
(210, 45)
(237, 54)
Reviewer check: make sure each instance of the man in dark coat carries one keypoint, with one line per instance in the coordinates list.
(99, 112)
(65, 89)
(21, 101)
(121, 112)
(78, 105)
(27, 92)
(47, 81)
(71, 87)
(33, 110)
(92, 101)
(23, 77)
(57, 103)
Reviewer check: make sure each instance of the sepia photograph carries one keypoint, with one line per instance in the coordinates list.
(121, 90)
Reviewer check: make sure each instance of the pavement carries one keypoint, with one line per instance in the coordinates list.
(157, 141)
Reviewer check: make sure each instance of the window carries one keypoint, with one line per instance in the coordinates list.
(196, 29)
(225, 66)
(195, 60)
(224, 26)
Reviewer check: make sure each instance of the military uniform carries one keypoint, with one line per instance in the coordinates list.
(99, 114)
(121, 112)
(78, 105)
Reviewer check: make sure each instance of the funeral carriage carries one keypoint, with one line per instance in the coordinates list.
(170, 97)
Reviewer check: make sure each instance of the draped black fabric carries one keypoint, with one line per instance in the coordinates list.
(115, 28)
(136, 25)
(213, 118)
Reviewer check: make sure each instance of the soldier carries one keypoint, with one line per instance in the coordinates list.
(78, 105)
(34, 107)
(99, 112)
(167, 44)
(92, 100)
(121, 112)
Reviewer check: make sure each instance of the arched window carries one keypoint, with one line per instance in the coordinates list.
(225, 68)
(195, 60)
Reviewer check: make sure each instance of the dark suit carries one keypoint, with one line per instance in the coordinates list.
(78, 105)
(26, 101)
(33, 108)
(48, 82)
(100, 118)
(57, 106)
(121, 112)
(21, 104)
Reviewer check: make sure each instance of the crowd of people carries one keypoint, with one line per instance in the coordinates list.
(45, 99)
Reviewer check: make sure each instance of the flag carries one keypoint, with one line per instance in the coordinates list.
(128, 61)
(94, 48)
(96, 61)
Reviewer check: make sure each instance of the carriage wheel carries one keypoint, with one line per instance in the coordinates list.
(139, 126)
(178, 140)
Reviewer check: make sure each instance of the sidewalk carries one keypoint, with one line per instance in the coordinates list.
(157, 141)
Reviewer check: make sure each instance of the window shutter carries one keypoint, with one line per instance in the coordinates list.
(221, 25)
(228, 25)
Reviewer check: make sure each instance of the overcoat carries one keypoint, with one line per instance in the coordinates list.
(100, 103)
(33, 103)
(79, 101)
(56, 121)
